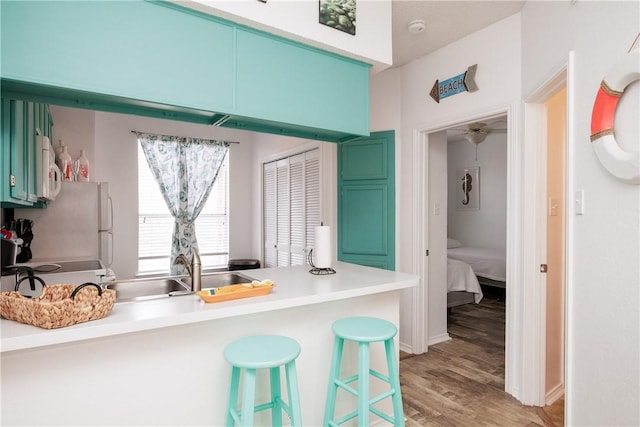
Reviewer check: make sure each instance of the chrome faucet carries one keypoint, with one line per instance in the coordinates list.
(194, 268)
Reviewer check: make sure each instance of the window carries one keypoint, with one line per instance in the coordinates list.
(155, 223)
(291, 206)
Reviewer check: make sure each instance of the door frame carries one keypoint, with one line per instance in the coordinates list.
(515, 318)
(535, 143)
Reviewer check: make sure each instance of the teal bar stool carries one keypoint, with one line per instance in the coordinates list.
(262, 352)
(364, 330)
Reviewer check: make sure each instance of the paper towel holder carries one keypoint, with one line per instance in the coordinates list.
(318, 271)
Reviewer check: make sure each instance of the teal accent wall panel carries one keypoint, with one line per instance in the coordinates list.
(369, 261)
(134, 49)
(283, 81)
(365, 160)
(364, 219)
(366, 202)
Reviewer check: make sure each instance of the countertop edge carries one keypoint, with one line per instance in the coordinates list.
(98, 329)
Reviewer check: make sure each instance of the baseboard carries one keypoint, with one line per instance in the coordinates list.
(556, 393)
(438, 339)
(406, 348)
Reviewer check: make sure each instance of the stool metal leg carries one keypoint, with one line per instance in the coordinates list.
(233, 396)
(294, 400)
(276, 397)
(248, 397)
(363, 384)
(394, 382)
(334, 374)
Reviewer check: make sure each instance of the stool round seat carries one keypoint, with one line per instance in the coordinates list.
(261, 351)
(364, 329)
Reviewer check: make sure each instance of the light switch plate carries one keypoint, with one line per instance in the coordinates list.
(579, 202)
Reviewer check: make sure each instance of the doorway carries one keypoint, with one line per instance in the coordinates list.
(481, 225)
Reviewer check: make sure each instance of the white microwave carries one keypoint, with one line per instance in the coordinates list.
(48, 175)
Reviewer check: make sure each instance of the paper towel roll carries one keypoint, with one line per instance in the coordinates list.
(322, 250)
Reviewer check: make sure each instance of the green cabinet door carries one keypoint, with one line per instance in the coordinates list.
(366, 203)
(21, 122)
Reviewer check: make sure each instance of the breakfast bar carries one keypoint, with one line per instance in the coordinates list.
(160, 362)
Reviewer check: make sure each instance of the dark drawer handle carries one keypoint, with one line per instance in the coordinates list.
(84, 285)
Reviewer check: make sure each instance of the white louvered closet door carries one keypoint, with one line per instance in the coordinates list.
(270, 209)
(312, 196)
(291, 208)
(296, 188)
(284, 232)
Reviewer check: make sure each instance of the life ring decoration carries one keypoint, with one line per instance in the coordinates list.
(622, 164)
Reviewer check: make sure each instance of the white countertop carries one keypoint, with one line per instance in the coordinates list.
(295, 287)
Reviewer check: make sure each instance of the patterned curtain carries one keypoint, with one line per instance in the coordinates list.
(185, 169)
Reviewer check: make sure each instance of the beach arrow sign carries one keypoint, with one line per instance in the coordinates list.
(461, 83)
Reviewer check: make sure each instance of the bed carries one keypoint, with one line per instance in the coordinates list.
(489, 265)
(462, 284)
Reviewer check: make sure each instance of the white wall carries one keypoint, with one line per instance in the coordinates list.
(298, 20)
(486, 227)
(73, 128)
(496, 50)
(603, 376)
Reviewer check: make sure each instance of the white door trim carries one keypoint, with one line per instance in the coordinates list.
(515, 242)
(535, 143)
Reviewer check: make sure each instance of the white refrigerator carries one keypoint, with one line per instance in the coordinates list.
(78, 225)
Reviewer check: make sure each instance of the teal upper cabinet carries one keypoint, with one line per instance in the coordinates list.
(135, 50)
(162, 60)
(280, 81)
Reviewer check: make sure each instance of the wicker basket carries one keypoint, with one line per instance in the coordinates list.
(59, 305)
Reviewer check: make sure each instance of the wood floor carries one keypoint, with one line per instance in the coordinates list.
(461, 382)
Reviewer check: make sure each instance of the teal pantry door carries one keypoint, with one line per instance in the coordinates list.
(366, 201)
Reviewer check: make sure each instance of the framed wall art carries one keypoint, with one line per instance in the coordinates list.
(339, 14)
(467, 189)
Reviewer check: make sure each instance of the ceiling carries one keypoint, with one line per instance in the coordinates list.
(446, 22)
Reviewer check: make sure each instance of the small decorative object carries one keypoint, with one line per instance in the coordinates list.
(83, 167)
(339, 14)
(624, 165)
(65, 164)
(461, 83)
(467, 189)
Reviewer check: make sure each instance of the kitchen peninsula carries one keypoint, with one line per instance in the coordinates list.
(159, 362)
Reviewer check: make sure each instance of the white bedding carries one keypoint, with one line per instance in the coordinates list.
(489, 263)
(460, 277)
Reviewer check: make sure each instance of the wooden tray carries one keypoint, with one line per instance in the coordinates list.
(239, 293)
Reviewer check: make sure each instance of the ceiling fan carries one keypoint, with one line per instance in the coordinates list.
(477, 132)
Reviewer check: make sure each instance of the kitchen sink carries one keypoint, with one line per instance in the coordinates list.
(161, 287)
(214, 280)
(142, 289)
